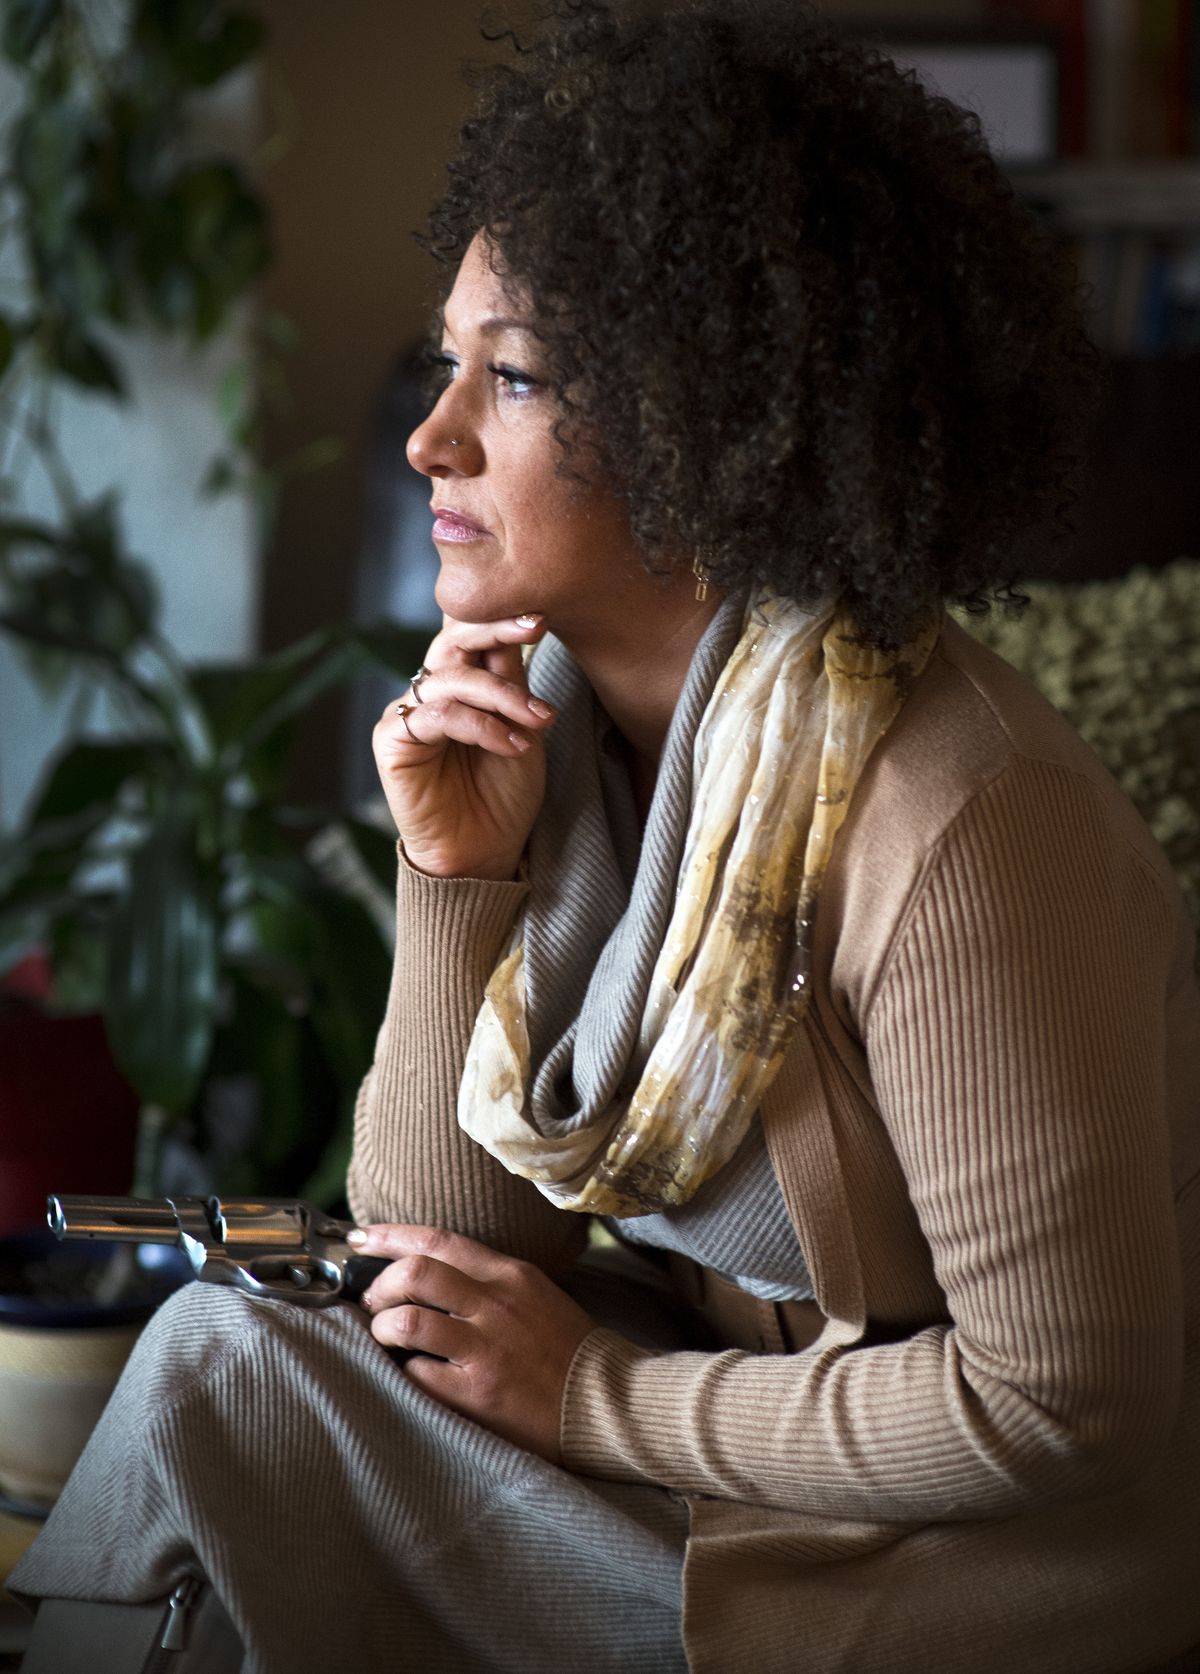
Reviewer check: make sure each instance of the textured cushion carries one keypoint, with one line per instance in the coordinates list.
(1121, 660)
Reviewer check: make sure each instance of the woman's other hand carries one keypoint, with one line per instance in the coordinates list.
(506, 1334)
(464, 778)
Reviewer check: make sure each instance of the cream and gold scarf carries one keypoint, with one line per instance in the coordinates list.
(781, 744)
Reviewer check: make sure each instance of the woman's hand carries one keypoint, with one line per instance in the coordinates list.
(506, 1333)
(465, 778)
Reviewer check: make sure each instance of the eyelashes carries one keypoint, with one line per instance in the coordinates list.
(443, 368)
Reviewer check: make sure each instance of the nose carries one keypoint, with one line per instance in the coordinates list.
(444, 444)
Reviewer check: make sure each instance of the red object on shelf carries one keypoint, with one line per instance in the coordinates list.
(68, 1118)
(1068, 19)
(31, 979)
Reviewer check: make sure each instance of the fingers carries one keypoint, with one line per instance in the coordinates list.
(425, 1331)
(426, 1281)
(430, 725)
(479, 688)
(461, 642)
(422, 1301)
(454, 1249)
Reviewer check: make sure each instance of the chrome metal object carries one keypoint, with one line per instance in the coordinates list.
(283, 1249)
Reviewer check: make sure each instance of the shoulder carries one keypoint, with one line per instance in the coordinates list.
(976, 758)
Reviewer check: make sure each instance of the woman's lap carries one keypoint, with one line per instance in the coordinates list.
(340, 1512)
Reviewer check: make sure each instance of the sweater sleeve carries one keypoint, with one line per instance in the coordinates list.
(1015, 1044)
(411, 1161)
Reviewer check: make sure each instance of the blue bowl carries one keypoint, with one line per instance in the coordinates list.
(45, 1283)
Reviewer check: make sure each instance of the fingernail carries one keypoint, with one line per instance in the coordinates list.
(358, 1236)
(520, 742)
(528, 619)
(539, 708)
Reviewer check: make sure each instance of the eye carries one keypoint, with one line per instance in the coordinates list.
(443, 367)
(519, 384)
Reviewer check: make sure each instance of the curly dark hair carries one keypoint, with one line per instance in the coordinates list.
(787, 295)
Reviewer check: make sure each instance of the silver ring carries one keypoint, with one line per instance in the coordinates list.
(404, 710)
(415, 683)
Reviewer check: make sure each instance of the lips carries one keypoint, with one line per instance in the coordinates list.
(453, 526)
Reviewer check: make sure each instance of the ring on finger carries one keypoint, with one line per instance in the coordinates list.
(404, 710)
(415, 683)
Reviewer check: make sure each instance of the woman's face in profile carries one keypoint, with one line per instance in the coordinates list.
(513, 535)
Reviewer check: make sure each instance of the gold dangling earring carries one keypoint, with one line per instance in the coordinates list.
(701, 578)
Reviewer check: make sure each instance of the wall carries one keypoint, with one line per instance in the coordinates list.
(368, 96)
(203, 554)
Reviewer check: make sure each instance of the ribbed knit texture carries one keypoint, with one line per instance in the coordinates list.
(988, 1142)
(411, 1160)
(345, 1519)
(978, 1136)
(1015, 1043)
(737, 1224)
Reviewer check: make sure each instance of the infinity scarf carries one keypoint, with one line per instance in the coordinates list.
(672, 995)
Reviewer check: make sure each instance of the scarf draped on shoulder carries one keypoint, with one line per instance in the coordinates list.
(649, 992)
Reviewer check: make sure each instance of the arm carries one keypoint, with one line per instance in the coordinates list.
(463, 771)
(411, 1160)
(1015, 1044)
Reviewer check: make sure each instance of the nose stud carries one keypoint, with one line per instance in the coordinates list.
(454, 441)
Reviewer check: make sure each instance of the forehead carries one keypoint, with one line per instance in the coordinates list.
(479, 302)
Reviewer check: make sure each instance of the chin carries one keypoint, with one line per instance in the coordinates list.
(467, 598)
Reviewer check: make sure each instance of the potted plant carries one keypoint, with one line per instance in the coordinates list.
(160, 866)
(161, 880)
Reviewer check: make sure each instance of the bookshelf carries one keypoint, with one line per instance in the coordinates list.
(1135, 230)
(1112, 166)
(1084, 196)
(1134, 225)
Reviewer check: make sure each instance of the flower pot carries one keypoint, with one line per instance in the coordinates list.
(62, 1347)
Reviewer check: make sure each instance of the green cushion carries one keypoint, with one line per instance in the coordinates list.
(1121, 660)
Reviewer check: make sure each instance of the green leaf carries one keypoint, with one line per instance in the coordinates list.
(352, 980)
(274, 1045)
(327, 1183)
(83, 361)
(198, 41)
(21, 931)
(96, 530)
(28, 531)
(77, 956)
(377, 851)
(389, 646)
(236, 695)
(26, 24)
(30, 625)
(49, 148)
(201, 243)
(221, 477)
(162, 969)
(88, 775)
(43, 857)
(235, 394)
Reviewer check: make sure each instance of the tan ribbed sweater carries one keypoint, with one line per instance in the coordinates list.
(988, 1139)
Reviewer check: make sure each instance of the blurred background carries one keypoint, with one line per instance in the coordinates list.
(212, 550)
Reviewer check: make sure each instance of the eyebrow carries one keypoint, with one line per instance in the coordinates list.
(493, 324)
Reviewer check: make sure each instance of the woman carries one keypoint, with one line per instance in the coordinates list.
(758, 912)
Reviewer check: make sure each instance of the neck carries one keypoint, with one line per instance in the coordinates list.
(638, 671)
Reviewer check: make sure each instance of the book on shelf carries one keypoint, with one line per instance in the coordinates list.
(1142, 293)
(1129, 74)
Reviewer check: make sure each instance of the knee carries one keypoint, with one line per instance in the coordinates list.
(197, 1327)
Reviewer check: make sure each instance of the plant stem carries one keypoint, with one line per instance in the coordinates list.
(153, 1121)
